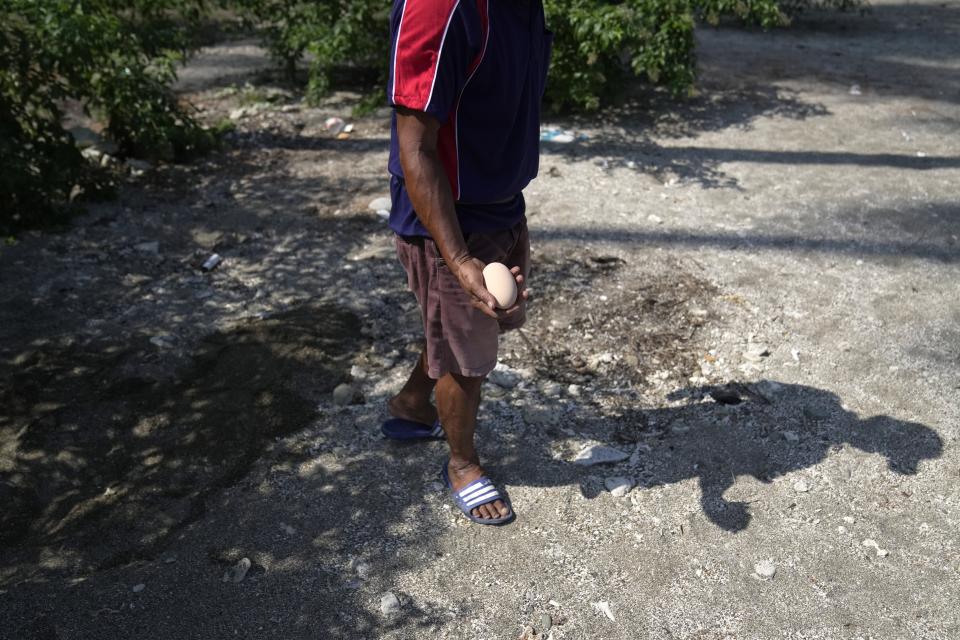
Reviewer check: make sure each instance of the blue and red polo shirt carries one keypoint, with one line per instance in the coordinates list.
(480, 68)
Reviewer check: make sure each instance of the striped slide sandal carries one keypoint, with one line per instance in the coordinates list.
(479, 492)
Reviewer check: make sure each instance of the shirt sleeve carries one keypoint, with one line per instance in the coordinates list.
(435, 43)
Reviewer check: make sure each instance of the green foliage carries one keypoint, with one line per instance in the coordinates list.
(117, 59)
(330, 33)
(599, 44)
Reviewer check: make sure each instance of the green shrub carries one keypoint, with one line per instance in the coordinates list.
(116, 58)
(598, 43)
(330, 33)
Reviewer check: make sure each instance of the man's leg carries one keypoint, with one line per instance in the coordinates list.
(458, 399)
(413, 400)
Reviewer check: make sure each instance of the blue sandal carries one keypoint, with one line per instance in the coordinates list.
(479, 492)
(401, 429)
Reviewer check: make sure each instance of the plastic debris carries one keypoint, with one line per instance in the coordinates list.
(212, 262)
(561, 136)
(334, 125)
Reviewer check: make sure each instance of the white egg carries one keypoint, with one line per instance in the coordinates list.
(501, 283)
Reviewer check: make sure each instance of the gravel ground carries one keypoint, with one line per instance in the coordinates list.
(748, 304)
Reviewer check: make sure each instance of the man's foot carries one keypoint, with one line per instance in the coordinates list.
(402, 407)
(463, 473)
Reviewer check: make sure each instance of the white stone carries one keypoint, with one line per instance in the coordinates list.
(389, 604)
(148, 247)
(800, 486)
(756, 352)
(504, 376)
(604, 608)
(237, 572)
(618, 486)
(380, 204)
(765, 569)
(344, 394)
(599, 454)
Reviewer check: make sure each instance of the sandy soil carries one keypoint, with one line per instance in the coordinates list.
(754, 296)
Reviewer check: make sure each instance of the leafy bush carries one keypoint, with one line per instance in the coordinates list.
(598, 43)
(330, 33)
(116, 58)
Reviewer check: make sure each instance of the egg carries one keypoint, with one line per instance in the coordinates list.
(501, 283)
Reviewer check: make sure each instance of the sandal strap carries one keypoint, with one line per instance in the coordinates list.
(477, 493)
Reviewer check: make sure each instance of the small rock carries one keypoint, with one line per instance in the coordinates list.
(756, 352)
(504, 376)
(725, 396)
(604, 608)
(380, 204)
(791, 436)
(287, 529)
(618, 486)
(529, 633)
(152, 247)
(92, 154)
(237, 572)
(855, 90)
(765, 569)
(168, 558)
(574, 390)
(599, 454)
(800, 486)
(883, 553)
(655, 219)
(546, 622)
(389, 604)
(363, 570)
(207, 239)
(345, 394)
(357, 372)
(137, 588)
(551, 389)
(162, 342)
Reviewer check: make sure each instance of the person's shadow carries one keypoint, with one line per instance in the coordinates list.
(763, 430)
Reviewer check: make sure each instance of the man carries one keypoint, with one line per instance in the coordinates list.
(466, 82)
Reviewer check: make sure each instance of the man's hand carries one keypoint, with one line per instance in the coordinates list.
(469, 272)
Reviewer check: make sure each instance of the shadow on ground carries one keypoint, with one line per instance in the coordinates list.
(772, 429)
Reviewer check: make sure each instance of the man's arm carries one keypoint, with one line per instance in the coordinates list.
(429, 190)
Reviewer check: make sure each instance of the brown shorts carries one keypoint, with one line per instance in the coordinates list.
(460, 338)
